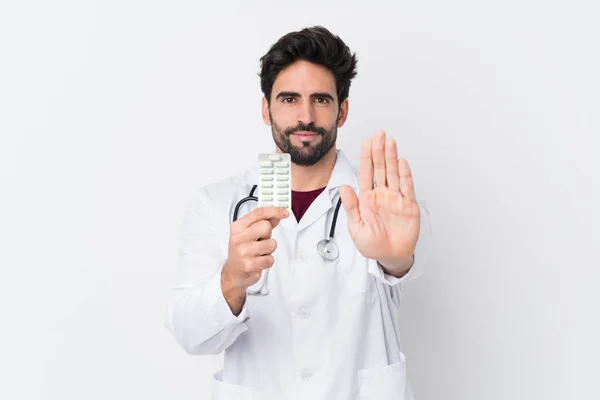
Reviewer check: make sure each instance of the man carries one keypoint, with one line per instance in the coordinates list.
(321, 329)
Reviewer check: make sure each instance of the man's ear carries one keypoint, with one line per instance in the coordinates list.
(265, 111)
(343, 113)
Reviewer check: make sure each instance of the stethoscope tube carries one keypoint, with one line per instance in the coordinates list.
(250, 197)
(327, 248)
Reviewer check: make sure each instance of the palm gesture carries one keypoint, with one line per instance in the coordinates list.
(384, 219)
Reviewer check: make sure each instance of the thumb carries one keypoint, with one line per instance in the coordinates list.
(350, 203)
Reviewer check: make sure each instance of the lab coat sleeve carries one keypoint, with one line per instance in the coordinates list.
(197, 313)
(422, 250)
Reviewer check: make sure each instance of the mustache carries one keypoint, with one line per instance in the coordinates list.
(304, 127)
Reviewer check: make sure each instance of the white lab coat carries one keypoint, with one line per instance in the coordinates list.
(326, 330)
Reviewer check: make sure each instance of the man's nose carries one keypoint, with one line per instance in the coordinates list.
(306, 113)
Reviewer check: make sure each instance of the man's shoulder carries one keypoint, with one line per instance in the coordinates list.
(225, 190)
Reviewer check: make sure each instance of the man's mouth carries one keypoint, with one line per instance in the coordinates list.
(304, 135)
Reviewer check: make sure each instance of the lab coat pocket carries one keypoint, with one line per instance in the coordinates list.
(229, 391)
(382, 383)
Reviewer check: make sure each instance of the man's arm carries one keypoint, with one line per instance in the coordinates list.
(198, 313)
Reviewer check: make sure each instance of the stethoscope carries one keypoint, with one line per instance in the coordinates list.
(327, 248)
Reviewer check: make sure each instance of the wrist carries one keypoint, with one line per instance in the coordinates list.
(397, 267)
(233, 293)
(229, 283)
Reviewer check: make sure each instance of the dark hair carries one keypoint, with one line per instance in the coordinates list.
(316, 45)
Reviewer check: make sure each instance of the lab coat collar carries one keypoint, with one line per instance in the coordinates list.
(343, 173)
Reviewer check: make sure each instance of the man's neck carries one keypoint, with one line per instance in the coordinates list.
(307, 178)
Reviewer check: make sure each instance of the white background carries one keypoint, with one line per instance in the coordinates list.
(106, 110)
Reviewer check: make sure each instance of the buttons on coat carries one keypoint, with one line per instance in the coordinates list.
(301, 258)
(304, 313)
(305, 374)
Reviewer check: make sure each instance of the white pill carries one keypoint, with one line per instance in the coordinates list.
(275, 168)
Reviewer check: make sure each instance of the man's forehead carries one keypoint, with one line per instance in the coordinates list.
(305, 78)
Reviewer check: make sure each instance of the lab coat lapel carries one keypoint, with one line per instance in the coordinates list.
(343, 174)
(319, 206)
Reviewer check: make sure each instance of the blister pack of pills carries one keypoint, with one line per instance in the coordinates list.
(275, 180)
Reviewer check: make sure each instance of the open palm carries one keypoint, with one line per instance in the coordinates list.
(384, 219)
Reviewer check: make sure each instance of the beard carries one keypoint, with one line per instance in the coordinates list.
(308, 153)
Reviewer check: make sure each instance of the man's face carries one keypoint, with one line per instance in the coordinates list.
(304, 114)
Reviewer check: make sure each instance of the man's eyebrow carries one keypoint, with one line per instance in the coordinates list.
(287, 94)
(323, 94)
(296, 94)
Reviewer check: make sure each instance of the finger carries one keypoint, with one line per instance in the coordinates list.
(365, 170)
(274, 222)
(406, 180)
(257, 264)
(264, 262)
(263, 247)
(378, 149)
(262, 213)
(391, 164)
(259, 231)
(350, 203)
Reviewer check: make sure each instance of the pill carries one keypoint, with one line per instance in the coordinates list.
(275, 171)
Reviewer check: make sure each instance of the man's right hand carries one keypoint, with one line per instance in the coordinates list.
(250, 252)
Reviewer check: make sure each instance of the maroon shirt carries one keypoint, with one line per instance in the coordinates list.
(302, 200)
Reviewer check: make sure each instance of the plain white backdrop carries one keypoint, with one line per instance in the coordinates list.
(113, 112)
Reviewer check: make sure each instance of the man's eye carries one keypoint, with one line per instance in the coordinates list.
(285, 100)
(322, 100)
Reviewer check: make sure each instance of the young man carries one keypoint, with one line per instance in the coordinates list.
(320, 328)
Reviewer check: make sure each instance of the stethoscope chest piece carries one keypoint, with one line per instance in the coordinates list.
(328, 249)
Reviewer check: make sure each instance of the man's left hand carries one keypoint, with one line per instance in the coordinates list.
(384, 219)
